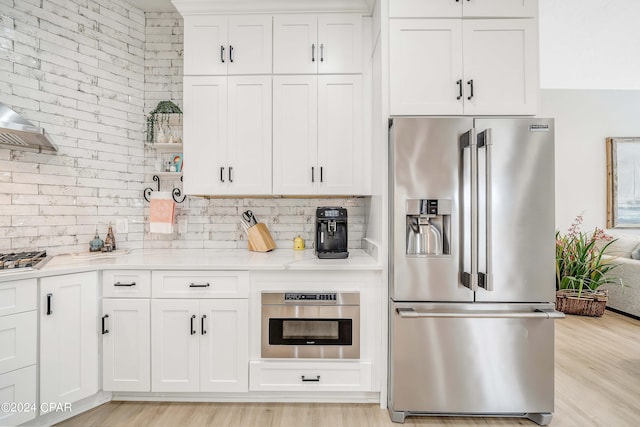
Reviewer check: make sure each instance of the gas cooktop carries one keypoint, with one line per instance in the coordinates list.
(22, 260)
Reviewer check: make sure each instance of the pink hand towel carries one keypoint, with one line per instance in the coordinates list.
(161, 212)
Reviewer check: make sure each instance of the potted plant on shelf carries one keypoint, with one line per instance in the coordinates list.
(159, 119)
(581, 269)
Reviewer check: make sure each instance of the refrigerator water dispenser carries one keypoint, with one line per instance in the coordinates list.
(428, 227)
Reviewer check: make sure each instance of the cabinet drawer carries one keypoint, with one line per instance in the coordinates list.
(18, 296)
(19, 387)
(204, 284)
(126, 284)
(311, 376)
(18, 335)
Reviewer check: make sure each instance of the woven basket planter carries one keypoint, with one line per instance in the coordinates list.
(590, 303)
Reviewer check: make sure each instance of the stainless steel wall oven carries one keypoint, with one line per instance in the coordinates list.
(324, 325)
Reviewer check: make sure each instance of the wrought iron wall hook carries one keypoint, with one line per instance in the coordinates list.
(175, 193)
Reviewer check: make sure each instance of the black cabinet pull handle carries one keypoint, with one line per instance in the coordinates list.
(311, 380)
(193, 331)
(313, 174)
(470, 83)
(459, 83)
(321, 177)
(230, 170)
(230, 53)
(124, 284)
(104, 318)
(313, 52)
(222, 54)
(321, 52)
(202, 285)
(202, 331)
(49, 298)
(222, 174)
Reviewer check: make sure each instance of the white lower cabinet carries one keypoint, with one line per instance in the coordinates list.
(199, 345)
(68, 337)
(318, 376)
(18, 389)
(126, 345)
(18, 351)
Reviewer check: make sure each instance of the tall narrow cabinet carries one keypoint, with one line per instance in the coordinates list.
(68, 337)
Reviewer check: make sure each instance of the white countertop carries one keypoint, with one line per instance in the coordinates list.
(198, 259)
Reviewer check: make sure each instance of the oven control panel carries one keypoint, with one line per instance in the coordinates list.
(294, 296)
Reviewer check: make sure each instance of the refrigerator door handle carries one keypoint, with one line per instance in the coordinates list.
(485, 280)
(470, 279)
(537, 314)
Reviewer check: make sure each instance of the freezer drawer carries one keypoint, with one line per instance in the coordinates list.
(461, 359)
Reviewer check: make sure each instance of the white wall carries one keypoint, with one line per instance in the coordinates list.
(76, 68)
(589, 74)
(589, 44)
(584, 119)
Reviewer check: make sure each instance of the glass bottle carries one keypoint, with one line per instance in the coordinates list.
(111, 238)
(96, 244)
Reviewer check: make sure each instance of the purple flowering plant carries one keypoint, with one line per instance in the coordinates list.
(579, 262)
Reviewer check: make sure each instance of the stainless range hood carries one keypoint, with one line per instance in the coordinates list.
(18, 132)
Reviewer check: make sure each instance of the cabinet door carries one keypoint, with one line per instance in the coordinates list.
(126, 345)
(249, 137)
(19, 387)
(249, 50)
(205, 135)
(224, 345)
(426, 67)
(18, 340)
(340, 43)
(295, 44)
(427, 8)
(205, 45)
(499, 8)
(18, 296)
(501, 58)
(68, 337)
(295, 135)
(340, 147)
(174, 345)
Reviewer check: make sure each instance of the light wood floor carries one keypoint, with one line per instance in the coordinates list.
(597, 384)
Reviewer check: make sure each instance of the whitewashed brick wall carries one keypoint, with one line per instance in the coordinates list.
(214, 223)
(76, 68)
(88, 72)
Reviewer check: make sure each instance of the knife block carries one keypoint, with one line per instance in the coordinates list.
(259, 238)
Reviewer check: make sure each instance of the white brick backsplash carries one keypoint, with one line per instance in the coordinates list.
(88, 72)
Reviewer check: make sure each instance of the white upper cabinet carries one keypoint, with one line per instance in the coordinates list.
(324, 44)
(463, 8)
(220, 45)
(227, 130)
(318, 145)
(426, 66)
(463, 66)
(295, 134)
(501, 60)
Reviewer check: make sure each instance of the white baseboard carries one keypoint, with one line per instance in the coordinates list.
(275, 397)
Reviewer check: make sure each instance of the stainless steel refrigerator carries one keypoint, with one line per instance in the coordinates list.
(472, 285)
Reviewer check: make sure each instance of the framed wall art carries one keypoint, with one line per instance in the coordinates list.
(623, 182)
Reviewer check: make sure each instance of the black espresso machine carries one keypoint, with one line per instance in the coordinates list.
(331, 232)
